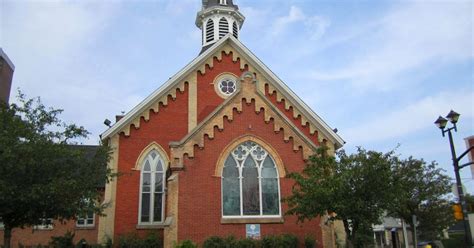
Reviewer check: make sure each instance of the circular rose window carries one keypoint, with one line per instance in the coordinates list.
(227, 86)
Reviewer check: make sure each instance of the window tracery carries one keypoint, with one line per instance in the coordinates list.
(152, 189)
(250, 183)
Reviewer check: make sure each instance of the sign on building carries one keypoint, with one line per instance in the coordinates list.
(252, 231)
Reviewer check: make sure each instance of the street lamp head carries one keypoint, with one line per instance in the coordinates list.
(453, 117)
(441, 122)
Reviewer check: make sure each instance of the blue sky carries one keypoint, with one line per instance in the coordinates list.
(379, 71)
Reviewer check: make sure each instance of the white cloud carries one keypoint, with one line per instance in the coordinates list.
(283, 22)
(255, 18)
(315, 25)
(50, 43)
(53, 28)
(180, 7)
(412, 118)
(408, 38)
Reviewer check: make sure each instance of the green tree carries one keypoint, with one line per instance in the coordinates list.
(469, 202)
(421, 189)
(42, 175)
(356, 187)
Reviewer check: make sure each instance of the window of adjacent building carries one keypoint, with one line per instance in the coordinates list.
(209, 30)
(223, 27)
(250, 183)
(86, 220)
(223, 2)
(46, 224)
(152, 189)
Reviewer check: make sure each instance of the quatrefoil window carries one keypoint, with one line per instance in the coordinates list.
(227, 86)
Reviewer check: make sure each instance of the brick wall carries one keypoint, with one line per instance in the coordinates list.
(200, 191)
(6, 75)
(30, 237)
(169, 124)
(289, 113)
(208, 99)
(199, 200)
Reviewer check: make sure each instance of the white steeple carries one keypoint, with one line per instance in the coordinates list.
(218, 18)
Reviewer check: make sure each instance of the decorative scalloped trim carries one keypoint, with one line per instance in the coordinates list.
(209, 63)
(246, 95)
(227, 49)
(296, 114)
(156, 105)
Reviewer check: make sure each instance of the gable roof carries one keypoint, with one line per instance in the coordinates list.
(276, 82)
(246, 93)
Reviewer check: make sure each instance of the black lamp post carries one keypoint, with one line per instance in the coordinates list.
(441, 122)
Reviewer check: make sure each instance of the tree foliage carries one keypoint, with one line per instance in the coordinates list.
(42, 174)
(421, 189)
(355, 187)
(363, 187)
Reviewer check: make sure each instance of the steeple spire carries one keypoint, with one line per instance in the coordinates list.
(218, 18)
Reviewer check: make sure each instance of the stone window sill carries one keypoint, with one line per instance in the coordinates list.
(43, 229)
(252, 220)
(167, 223)
(85, 227)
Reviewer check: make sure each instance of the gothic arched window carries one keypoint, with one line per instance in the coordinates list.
(235, 30)
(250, 183)
(152, 189)
(223, 27)
(209, 30)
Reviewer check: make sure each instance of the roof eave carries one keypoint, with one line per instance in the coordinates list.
(244, 51)
(308, 112)
(163, 89)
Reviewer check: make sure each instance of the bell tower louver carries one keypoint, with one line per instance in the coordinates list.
(218, 18)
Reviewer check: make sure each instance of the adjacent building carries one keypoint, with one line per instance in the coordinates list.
(6, 75)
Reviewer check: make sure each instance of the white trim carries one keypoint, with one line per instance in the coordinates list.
(45, 225)
(313, 118)
(259, 164)
(7, 59)
(220, 92)
(152, 172)
(214, 10)
(85, 221)
(158, 93)
(284, 89)
(205, 41)
(224, 21)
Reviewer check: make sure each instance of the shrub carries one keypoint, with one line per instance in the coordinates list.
(83, 244)
(246, 243)
(65, 241)
(186, 244)
(290, 240)
(214, 242)
(108, 243)
(133, 241)
(230, 241)
(283, 241)
(309, 242)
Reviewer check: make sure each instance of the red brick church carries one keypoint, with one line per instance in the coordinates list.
(207, 153)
